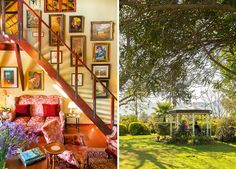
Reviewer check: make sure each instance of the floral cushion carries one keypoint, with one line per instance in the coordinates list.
(37, 101)
(36, 123)
(69, 157)
(22, 120)
(80, 153)
(52, 132)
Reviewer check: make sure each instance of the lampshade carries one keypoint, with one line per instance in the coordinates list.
(72, 105)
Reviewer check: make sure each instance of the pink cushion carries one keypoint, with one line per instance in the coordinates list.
(50, 110)
(52, 132)
(35, 124)
(69, 157)
(22, 120)
(22, 110)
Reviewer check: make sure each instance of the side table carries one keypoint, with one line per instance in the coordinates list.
(53, 149)
(76, 117)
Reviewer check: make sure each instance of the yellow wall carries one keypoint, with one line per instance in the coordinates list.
(92, 10)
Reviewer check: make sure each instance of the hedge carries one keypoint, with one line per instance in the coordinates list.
(122, 129)
(138, 128)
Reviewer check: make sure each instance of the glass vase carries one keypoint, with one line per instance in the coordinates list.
(2, 164)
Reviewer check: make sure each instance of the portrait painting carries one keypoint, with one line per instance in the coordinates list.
(56, 23)
(78, 46)
(36, 80)
(76, 24)
(32, 19)
(101, 52)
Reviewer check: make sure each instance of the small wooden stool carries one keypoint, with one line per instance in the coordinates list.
(53, 149)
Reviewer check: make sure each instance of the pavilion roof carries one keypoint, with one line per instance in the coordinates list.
(190, 110)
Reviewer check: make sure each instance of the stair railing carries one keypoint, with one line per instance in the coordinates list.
(60, 41)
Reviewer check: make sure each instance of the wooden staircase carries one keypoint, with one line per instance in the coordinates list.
(35, 54)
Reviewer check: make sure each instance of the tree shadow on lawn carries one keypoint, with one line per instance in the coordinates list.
(144, 156)
(137, 142)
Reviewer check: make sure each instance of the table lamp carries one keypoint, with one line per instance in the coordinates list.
(72, 106)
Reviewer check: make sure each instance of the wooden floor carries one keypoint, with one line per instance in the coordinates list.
(93, 139)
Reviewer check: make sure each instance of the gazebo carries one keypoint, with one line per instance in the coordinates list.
(190, 112)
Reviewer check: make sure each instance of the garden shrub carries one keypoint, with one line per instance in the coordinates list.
(122, 129)
(202, 140)
(127, 119)
(226, 130)
(162, 128)
(179, 139)
(137, 128)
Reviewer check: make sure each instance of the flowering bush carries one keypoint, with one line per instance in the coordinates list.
(14, 137)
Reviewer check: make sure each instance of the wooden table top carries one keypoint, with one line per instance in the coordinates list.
(54, 148)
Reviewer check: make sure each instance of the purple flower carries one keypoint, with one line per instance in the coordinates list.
(14, 137)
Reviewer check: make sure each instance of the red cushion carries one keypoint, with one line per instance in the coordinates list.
(50, 110)
(22, 110)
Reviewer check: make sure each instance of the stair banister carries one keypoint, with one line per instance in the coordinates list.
(3, 29)
(58, 55)
(20, 19)
(73, 53)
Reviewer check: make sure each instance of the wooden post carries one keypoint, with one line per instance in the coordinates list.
(193, 124)
(58, 55)
(94, 97)
(171, 128)
(20, 67)
(39, 38)
(20, 19)
(207, 127)
(112, 111)
(3, 17)
(76, 75)
(177, 119)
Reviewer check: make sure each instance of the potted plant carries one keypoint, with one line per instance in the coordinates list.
(13, 138)
(5, 110)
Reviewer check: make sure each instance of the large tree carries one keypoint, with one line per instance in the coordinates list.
(169, 45)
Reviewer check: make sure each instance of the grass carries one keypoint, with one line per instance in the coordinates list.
(143, 152)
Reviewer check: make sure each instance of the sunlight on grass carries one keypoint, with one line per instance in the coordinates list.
(143, 152)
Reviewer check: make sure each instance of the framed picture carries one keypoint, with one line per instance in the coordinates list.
(9, 77)
(59, 6)
(101, 52)
(32, 20)
(102, 31)
(36, 34)
(36, 80)
(101, 92)
(56, 23)
(78, 45)
(101, 71)
(79, 79)
(76, 24)
(35, 4)
(53, 57)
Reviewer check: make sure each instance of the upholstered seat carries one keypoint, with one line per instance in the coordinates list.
(112, 143)
(76, 151)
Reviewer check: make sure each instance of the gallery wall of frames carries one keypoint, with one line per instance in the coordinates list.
(89, 27)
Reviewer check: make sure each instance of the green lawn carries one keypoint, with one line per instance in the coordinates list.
(143, 152)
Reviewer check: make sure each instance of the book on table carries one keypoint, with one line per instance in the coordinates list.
(31, 156)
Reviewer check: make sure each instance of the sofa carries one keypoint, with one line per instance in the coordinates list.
(111, 148)
(34, 111)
